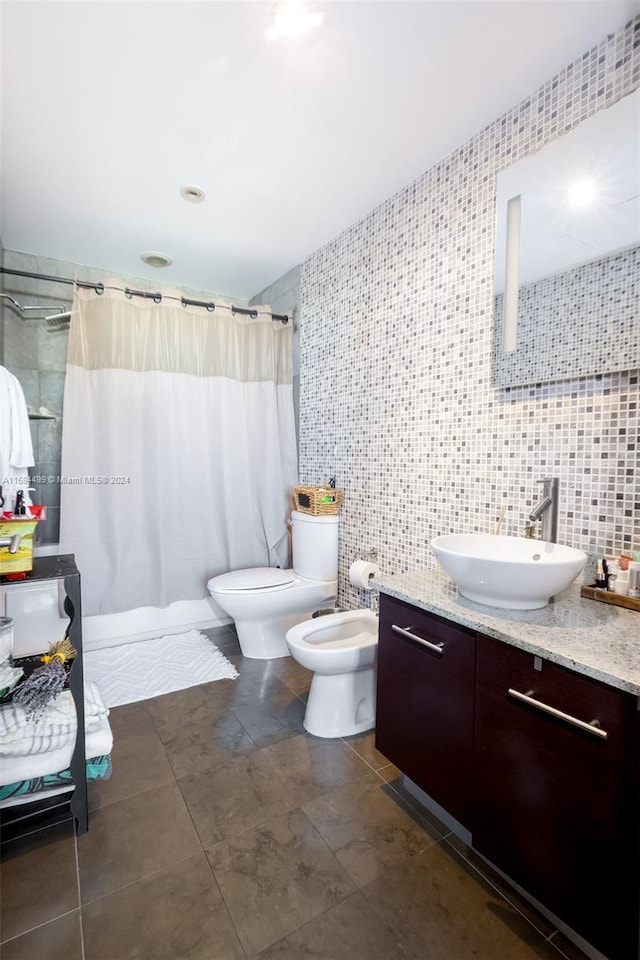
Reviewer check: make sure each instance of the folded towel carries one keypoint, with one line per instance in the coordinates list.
(97, 768)
(56, 728)
(98, 743)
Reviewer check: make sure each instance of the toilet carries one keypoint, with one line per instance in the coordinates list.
(341, 651)
(265, 602)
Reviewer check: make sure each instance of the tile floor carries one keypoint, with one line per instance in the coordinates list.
(226, 832)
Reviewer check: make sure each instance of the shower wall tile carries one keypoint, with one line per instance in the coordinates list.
(20, 342)
(48, 530)
(283, 294)
(35, 440)
(47, 474)
(396, 394)
(30, 383)
(52, 348)
(51, 390)
(50, 439)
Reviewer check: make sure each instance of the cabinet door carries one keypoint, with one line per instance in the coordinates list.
(424, 713)
(555, 804)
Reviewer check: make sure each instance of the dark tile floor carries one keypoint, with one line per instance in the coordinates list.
(226, 832)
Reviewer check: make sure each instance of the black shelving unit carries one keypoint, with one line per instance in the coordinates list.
(26, 817)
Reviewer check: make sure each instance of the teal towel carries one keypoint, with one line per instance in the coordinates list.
(98, 768)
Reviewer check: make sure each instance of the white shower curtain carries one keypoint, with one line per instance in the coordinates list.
(178, 447)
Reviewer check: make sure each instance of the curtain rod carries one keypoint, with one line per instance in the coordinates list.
(128, 292)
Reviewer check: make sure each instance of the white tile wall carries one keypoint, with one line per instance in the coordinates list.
(396, 395)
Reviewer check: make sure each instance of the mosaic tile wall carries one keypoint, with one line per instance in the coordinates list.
(560, 323)
(396, 395)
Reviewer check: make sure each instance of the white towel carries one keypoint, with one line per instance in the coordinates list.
(98, 743)
(55, 729)
(16, 449)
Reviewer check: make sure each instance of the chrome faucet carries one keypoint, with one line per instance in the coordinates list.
(547, 509)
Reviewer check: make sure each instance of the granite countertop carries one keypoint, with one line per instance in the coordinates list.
(593, 638)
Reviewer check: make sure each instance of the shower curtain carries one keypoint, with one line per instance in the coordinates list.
(178, 447)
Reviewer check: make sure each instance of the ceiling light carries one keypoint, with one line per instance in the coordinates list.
(582, 193)
(192, 194)
(291, 18)
(156, 259)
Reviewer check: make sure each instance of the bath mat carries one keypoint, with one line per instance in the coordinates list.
(149, 668)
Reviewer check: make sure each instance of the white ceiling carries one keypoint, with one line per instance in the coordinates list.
(109, 108)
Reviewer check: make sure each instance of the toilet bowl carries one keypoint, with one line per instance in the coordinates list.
(341, 651)
(265, 602)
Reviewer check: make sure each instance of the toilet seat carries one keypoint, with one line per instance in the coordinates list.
(254, 579)
(337, 631)
(360, 639)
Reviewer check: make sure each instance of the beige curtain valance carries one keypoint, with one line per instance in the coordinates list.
(112, 331)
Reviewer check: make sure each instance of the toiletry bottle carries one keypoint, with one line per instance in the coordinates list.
(19, 508)
(634, 579)
(621, 583)
(601, 577)
(612, 574)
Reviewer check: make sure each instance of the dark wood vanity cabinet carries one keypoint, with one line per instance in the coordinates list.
(556, 803)
(425, 702)
(552, 803)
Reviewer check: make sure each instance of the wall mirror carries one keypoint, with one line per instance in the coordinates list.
(567, 262)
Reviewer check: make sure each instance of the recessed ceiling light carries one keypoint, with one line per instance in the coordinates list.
(291, 18)
(192, 194)
(156, 259)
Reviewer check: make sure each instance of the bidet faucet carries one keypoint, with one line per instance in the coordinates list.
(547, 509)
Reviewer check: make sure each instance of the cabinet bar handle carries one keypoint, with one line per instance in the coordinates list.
(589, 727)
(406, 632)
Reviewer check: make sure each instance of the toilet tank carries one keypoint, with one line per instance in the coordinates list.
(314, 546)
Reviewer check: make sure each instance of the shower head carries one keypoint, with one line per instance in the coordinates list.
(58, 322)
(55, 323)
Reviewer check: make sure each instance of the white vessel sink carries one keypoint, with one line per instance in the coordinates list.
(512, 572)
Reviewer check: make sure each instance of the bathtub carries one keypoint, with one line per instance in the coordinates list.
(39, 619)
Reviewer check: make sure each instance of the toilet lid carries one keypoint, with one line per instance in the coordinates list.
(256, 578)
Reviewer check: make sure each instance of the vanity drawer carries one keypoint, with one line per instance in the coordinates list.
(556, 791)
(564, 702)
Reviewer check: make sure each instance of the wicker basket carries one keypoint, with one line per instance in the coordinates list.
(318, 501)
